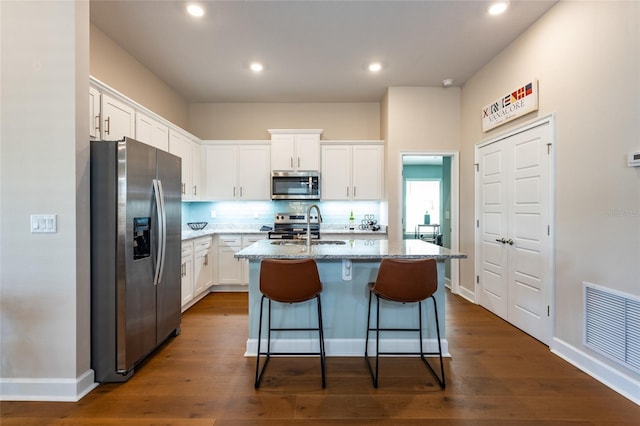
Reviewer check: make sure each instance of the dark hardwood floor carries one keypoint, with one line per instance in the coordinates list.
(497, 375)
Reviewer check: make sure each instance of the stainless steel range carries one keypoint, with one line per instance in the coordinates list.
(294, 225)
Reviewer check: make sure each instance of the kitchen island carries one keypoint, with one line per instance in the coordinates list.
(345, 268)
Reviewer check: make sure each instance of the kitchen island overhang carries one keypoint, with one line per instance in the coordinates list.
(345, 268)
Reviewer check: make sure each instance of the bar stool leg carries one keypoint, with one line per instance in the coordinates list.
(375, 380)
(440, 379)
(258, 372)
(321, 338)
(374, 376)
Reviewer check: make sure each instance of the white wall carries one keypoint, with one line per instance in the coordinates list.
(44, 153)
(586, 56)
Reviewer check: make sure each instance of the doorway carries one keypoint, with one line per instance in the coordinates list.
(430, 197)
(514, 250)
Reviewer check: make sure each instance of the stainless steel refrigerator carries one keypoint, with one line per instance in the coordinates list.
(135, 254)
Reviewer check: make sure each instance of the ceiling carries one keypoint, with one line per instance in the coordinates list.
(312, 51)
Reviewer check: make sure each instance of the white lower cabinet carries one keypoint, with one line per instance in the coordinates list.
(229, 271)
(197, 269)
(186, 272)
(203, 261)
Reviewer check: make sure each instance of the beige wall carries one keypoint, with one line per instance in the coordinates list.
(44, 278)
(116, 68)
(586, 56)
(417, 119)
(251, 120)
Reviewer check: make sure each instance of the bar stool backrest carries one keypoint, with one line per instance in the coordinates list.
(406, 280)
(289, 281)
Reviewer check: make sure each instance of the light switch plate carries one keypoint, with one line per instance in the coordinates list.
(44, 224)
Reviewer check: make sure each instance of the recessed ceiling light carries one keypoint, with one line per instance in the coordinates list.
(195, 10)
(498, 8)
(447, 82)
(375, 66)
(256, 66)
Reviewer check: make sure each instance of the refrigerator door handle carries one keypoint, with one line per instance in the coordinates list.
(162, 230)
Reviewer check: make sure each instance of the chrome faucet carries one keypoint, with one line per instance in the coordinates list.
(309, 221)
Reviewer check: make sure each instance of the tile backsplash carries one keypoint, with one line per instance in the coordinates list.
(263, 212)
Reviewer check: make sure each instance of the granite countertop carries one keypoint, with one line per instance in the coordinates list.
(351, 249)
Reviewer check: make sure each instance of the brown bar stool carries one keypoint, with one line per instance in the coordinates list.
(288, 281)
(404, 281)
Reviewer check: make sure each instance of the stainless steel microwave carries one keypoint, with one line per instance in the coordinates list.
(287, 185)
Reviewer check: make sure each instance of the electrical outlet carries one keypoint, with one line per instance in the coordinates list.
(255, 215)
(213, 214)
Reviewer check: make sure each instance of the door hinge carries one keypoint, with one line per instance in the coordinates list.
(548, 311)
(477, 279)
(548, 148)
(548, 230)
(477, 165)
(477, 223)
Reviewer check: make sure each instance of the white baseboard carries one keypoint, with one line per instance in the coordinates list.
(229, 288)
(63, 390)
(346, 347)
(467, 294)
(624, 384)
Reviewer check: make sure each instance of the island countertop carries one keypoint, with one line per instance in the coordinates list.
(346, 249)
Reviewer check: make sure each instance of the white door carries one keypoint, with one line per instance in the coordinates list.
(514, 229)
(493, 227)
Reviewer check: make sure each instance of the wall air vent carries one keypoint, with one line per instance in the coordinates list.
(612, 325)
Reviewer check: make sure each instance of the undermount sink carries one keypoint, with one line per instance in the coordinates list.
(304, 242)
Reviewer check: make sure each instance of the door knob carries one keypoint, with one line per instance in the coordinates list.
(501, 240)
(509, 241)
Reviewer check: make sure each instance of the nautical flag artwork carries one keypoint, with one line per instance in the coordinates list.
(514, 104)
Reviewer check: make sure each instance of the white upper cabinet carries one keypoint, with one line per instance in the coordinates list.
(336, 172)
(352, 171)
(220, 172)
(237, 171)
(118, 119)
(254, 172)
(152, 132)
(94, 113)
(295, 150)
(112, 116)
(189, 151)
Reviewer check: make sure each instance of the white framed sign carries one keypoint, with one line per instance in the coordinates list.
(512, 105)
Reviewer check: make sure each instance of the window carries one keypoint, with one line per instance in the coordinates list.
(422, 196)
